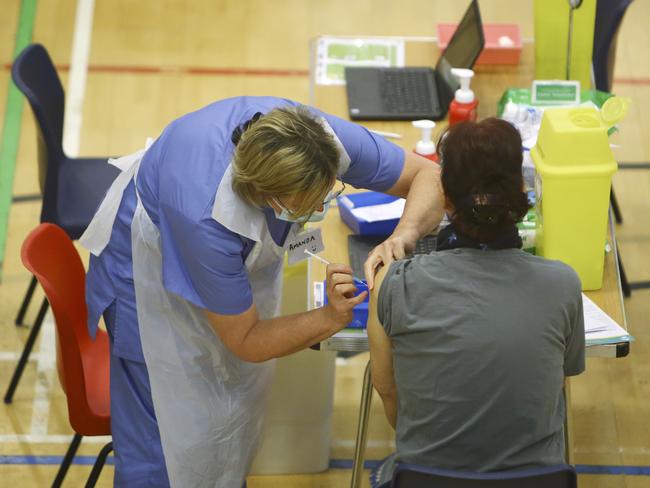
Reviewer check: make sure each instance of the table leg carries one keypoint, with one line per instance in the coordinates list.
(362, 429)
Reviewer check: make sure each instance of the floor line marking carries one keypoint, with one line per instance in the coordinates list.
(237, 71)
(591, 469)
(44, 376)
(192, 70)
(50, 460)
(11, 124)
(12, 356)
(81, 41)
(50, 439)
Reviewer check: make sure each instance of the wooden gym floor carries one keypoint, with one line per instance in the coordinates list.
(151, 61)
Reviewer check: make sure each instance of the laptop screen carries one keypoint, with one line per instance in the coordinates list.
(462, 51)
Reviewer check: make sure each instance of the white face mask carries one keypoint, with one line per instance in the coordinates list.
(314, 217)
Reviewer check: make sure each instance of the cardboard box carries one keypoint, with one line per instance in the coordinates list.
(502, 42)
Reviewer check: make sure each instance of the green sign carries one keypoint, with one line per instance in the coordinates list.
(555, 92)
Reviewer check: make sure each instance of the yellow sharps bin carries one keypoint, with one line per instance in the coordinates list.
(574, 165)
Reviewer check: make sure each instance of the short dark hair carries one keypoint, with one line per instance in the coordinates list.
(482, 178)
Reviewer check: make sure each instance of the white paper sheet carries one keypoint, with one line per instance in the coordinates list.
(335, 53)
(385, 211)
(598, 325)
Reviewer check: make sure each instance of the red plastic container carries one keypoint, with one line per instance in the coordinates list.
(498, 48)
(433, 157)
(460, 112)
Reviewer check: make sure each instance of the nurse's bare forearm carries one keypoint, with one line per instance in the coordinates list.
(255, 340)
(286, 335)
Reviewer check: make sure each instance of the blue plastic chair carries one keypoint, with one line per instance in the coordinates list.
(72, 188)
(412, 476)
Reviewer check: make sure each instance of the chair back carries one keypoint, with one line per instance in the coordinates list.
(609, 14)
(36, 77)
(412, 476)
(83, 364)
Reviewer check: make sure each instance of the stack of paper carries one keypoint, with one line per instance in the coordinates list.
(599, 327)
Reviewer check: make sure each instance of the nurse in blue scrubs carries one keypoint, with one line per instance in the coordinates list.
(186, 269)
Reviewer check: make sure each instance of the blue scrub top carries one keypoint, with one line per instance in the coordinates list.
(202, 261)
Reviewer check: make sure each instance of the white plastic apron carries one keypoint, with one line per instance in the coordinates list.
(208, 403)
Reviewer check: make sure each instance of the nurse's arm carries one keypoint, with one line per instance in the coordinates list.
(420, 184)
(255, 340)
(381, 356)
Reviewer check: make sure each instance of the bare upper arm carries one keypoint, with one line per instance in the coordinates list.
(413, 163)
(381, 351)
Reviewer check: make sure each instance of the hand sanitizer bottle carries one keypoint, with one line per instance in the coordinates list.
(425, 146)
(463, 106)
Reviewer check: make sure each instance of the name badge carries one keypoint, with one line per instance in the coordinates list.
(295, 245)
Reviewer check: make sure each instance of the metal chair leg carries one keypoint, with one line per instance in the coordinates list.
(67, 460)
(99, 464)
(362, 429)
(26, 301)
(617, 211)
(9, 395)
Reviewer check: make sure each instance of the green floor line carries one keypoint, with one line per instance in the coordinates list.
(11, 126)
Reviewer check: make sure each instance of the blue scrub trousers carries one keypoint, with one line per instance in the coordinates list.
(139, 460)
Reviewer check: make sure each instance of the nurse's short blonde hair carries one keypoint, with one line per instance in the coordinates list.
(285, 153)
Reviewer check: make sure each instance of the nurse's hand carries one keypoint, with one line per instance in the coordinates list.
(393, 248)
(341, 298)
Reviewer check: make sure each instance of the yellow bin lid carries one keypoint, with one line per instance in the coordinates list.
(575, 140)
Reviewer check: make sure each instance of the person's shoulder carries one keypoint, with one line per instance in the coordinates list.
(407, 279)
(428, 261)
(562, 275)
(413, 267)
(394, 272)
(552, 265)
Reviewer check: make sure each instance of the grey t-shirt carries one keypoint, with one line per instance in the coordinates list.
(482, 341)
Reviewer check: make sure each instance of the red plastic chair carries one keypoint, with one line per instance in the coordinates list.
(83, 364)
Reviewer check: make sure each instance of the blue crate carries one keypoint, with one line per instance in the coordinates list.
(360, 312)
(355, 200)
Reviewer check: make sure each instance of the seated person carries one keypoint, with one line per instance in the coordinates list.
(470, 345)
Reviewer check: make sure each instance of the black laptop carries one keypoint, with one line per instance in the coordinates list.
(419, 92)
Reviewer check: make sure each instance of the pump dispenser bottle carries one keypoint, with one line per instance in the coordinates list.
(463, 106)
(425, 146)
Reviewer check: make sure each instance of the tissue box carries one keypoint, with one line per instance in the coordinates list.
(502, 42)
(347, 203)
(360, 312)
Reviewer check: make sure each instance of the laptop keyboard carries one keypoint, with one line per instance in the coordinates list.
(406, 91)
(425, 245)
(360, 246)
